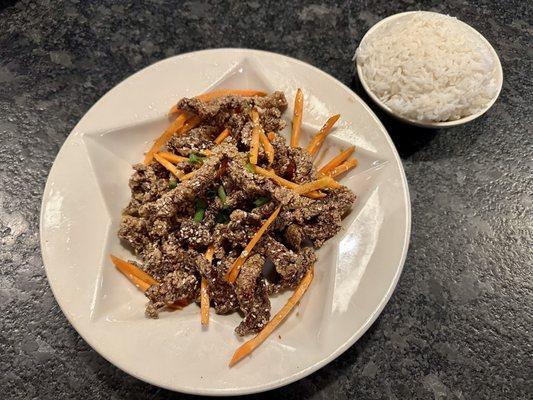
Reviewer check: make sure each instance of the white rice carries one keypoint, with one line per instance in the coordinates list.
(428, 67)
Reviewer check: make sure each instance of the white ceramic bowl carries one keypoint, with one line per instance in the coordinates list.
(429, 124)
(356, 271)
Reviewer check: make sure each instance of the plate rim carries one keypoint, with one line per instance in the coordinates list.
(298, 374)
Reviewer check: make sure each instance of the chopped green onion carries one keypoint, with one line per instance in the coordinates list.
(249, 167)
(222, 194)
(199, 213)
(172, 183)
(196, 159)
(223, 217)
(261, 201)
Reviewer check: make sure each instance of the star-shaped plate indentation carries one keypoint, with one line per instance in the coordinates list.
(113, 152)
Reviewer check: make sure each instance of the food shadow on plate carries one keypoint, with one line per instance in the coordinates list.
(408, 139)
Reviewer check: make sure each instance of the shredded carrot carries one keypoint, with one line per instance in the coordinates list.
(318, 139)
(338, 160)
(165, 137)
(172, 157)
(271, 136)
(141, 285)
(254, 142)
(253, 343)
(269, 150)
(178, 304)
(129, 269)
(237, 264)
(141, 279)
(320, 183)
(168, 165)
(206, 152)
(209, 253)
(315, 194)
(188, 176)
(204, 296)
(190, 124)
(173, 110)
(204, 303)
(344, 167)
(223, 135)
(284, 182)
(297, 118)
(223, 92)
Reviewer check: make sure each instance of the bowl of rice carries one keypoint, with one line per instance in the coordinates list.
(429, 69)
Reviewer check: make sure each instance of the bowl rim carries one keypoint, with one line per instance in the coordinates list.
(420, 123)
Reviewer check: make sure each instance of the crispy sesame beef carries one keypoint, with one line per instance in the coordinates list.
(221, 293)
(170, 224)
(252, 296)
(177, 285)
(197, 139)
(294, 235)
(290, 266)
(133, 230)
(281, 158)
(304, 169)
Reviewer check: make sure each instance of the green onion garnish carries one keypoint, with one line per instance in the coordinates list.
(249, 167)
(261, 201)
(172, 183)
(222, 194)
(196, 159)
(199, 213)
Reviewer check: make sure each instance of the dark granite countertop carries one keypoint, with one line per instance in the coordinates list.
(459, 323)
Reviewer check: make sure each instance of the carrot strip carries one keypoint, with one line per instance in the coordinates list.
(168, 165)
(141, 285)
(165, 137)
(269, 150)
(206, 152)
(253, 343)
(320, 183)
(297, 118)
(141, 279)
(204, 296)
(318, 139)
(188, 176)
(254, 142)
(338, 160)
(129, 269)
(284, 182)
(190, 124)
(209, 253)
(271, 136)
(223, 92)
(344, 167)
(204, 303)
(223, 135)
(237, 264)
(173, 110)
(172, 157)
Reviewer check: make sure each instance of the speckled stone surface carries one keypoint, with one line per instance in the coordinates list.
(458, 325)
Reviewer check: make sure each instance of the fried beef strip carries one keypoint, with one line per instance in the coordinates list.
(176, 286)
(221, 292)
(252, 296)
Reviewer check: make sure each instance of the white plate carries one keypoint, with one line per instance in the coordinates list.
(498, 76)
(355, 276)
